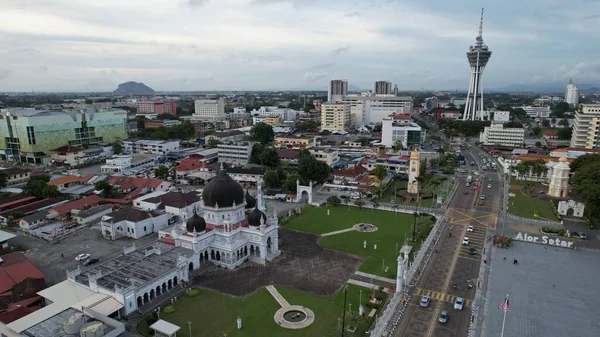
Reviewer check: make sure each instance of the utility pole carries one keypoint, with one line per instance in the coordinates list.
(505, 197)
(344, 310)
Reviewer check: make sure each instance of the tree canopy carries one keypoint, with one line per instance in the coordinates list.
(586, 180)
(183, 131)
(270, 158)
(37, 186)
(262, 133)
(161, 172)
(310, 169)
(564, 133)
(454, 128)
(106, 188)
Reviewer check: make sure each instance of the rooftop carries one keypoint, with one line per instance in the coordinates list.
(93, 211)
(130, 214)
(41, 204)
(80, 204)
(550, 292)
(14, 269)
(15, 170)
(253, 170)
(175, 199)
(64, 180)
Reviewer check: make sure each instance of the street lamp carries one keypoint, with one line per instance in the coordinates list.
(190, 326)
(344, 309)
(416, 214)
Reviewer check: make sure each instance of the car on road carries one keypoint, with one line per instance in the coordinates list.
(489, 185)
(579, 235)
(482, 197)
(472, 251)
(458, 303)
(481, 203)
(82, 257)
(465, 241)
(443, 317)
(90, 261)
(425, 300)
(470, 229)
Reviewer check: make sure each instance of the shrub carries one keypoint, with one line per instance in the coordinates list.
(151, 318)
(557, 231)
(169, 309)
(193, 292)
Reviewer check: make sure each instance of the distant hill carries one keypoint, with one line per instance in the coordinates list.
(555, 87)
(133, 88)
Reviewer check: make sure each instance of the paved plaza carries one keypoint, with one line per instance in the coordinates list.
(553, 292)
(303, 264)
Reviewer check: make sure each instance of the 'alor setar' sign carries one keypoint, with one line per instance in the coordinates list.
(545, 240)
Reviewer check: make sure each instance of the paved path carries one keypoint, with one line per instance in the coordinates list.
(368, 285)
(375, 277)
(282, 302)
(338, 232)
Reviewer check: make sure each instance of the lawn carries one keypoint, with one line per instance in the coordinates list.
(388, 194)
(524, 205)
(392, 228)
(214, 314)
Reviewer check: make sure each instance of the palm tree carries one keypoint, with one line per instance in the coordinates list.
(376, 204)
(395, 207)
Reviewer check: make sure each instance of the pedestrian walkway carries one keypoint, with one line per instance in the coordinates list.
(368, 285)
(351, 229)
(442, 297)
(376, 277)
(282, 302)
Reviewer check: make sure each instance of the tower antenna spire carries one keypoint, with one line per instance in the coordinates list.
(481, 24)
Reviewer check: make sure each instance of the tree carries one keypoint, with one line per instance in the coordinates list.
(587, 184)
(397, 146)
(117, 147)
(271, 178)
(380, 172)
(161, 172)
(3, 179)
(538, 144)
(359, 203)
(564, 133)
(310, 169)
(212, 143)
(257, 150)
(106, 188)
(36, 186)
(334, 200)
(269, 158)
(376, 204)
(584, 160)
(289, 184)
(537, 131)
(563, 123)
(262, 133)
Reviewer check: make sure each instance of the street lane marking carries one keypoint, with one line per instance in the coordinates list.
(442, 297)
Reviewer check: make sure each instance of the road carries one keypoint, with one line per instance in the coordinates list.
(452, 265)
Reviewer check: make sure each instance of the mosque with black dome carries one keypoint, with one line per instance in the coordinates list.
(227, 227)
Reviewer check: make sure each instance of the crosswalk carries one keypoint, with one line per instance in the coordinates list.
(476, 240)
(442, 297)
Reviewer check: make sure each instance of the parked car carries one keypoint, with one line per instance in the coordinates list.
(472, 251)
(489, 185)
(90, 261)
(458, 303)
(465, 241)
(579, 235)
(443, 317)
(470, 229)
(82, 257)
(425, 300)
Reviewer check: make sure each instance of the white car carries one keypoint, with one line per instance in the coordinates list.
(82, 257)
(458, 303)
(465, 241)
(470, 229)
(489, 185)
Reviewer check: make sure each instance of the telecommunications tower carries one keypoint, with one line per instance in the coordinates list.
(478, 56)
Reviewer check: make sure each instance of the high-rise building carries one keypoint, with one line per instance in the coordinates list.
(335, 116)
(337, 90)
(157, 107)
(209, 110)
(585, 128)
(498, 135)
(572, 94)
(29, 135)
(383, 88)
(431, 103)
(406, 132)
(396, 89)
(478, 56)
(371, 109)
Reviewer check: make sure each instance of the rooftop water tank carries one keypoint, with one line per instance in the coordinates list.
(73, 323)
(92, 329)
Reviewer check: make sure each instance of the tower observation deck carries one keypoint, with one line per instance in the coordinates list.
(478, 56)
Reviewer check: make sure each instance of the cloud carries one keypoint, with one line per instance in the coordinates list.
(585, 71)
(4, 73)
(312, 77)
(324, 65)
(339, 51)
(195, 3)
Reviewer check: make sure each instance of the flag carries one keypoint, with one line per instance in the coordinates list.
(505, 304)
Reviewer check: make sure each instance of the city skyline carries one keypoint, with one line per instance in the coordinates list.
(191, 45)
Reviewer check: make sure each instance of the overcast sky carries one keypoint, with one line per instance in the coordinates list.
(84, 45)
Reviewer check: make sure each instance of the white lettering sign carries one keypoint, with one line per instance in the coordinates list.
(545, 240)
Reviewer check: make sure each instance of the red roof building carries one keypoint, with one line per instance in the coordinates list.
(83, 203)
(188, 166)
(20, 281)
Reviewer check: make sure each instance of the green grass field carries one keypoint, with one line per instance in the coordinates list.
(392, 228)
(524, 206)
(213, 314)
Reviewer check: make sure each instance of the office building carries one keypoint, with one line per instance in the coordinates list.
(478, 56)
(395, 90)
(127, 162)
(431, 103)
(368, 109)
(157, 107)
(537, 111)
(335, 116)
(337, 90)
(498, 135)
(572, 94)
(406, 132)
(502, 116)
(383, 88)
(295, 142)
(29, 136)
(209, 110)
(150, 146)
(327, 155)
(235, 154)
(585, 129)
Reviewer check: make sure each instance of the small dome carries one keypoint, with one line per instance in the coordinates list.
(562, 160)
(250, 200)
(222, 191)
(255, 216)
(196, 222)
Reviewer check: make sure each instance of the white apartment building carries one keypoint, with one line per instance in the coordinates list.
(407, 132)
(497, 134)
(502, 116)
(371, 109)
(586, 127)
(537, 111)
(326, 155)
(383, 88)
(547, 100)
(236, 154)
(335, 116)
(150, 146)
(127, 162)
(284, 114)
(572, 94)
(209, 110)
(337, 90)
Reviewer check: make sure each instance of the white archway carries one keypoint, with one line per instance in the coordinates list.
(576, 208)
(300, 189)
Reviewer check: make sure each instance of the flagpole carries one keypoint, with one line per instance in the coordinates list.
(504, 319)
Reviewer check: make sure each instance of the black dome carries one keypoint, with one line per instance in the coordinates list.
(250, 200)
(222, 191)
(196, 222)
(255, 216)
